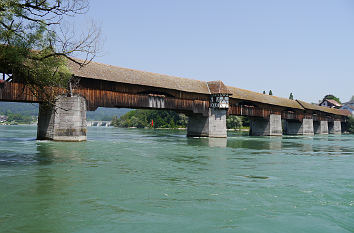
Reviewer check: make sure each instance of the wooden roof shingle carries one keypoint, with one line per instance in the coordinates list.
(247, 95)
(314, 107)
(101, 71)
(95, 70)
(218, 87)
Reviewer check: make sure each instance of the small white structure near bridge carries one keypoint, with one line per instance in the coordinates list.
(99, 123)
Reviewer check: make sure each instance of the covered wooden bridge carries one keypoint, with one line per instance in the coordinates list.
(206, 104)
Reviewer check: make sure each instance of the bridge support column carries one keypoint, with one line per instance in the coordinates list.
(66, 121)
(304, 127)
(320, 127)
(266, 127)
(213, 125)
(335, 127)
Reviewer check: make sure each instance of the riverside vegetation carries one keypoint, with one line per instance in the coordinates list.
(166, 119)
(170, 119)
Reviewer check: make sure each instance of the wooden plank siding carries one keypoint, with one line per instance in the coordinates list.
(101, 93)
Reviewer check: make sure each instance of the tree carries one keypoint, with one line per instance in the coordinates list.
(233, 122)
(270, 92)
(264, 92)
(36, 44)
(143, 118)
(352, 99)
(291, 97)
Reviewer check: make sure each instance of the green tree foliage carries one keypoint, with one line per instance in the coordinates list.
(264, 92)
(143, 118)
(32, 49)
(351, 125)
(164, 119)
(26, 109)
(18, 118)
(291, 97)
(332, 97)
(270, 92)
(245, 121)
(233, 122)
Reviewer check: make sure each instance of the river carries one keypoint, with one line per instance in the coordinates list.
(144, 180)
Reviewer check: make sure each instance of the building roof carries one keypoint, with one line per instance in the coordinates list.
(351, 102)
(332, 101)
(242, 94)
(349, 106)
(95, 70)
(323, 109)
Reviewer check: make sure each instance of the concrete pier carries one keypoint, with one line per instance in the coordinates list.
(304, 127)
(66, 121)
(335, 127)
(213, 125)
(266, 127)
(320, 127)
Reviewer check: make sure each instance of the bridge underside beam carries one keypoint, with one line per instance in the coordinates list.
(66, 121)
(304, 127)
(266, 127)
(213, 125)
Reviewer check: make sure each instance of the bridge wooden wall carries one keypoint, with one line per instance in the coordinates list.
(99, 93)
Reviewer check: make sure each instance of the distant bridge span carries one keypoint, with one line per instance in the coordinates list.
(206, 104)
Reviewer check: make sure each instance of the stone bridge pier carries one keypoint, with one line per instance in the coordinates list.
(65, 121)
(320, 127)
(334, 127)
(271, 126)
(213, 125)
(296, 127)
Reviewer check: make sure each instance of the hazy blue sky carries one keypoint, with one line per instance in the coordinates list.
(303, 46)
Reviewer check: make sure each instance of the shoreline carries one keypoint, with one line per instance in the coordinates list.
(239, 130)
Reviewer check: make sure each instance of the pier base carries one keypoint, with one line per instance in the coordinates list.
(213, 126)
(304, 127)
(266, 127)
(320, 127)
(66, 121)
(335, 127)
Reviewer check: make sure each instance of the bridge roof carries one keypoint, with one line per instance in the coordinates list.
(218, 87)
(95, 70)
(101, 71)
(247, 95)
(314, 107)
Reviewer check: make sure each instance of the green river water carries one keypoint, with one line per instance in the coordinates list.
(131, 180)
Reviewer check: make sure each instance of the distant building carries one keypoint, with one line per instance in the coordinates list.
(3, 118)
(330, 103)
(349, 103)
(349, 106)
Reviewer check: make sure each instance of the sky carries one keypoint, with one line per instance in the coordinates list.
(305, 46)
